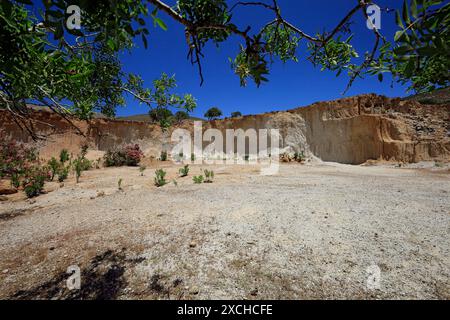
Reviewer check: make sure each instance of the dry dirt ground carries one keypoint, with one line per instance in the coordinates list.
(312, 231)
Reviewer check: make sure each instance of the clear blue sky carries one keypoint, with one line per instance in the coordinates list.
(291, 85)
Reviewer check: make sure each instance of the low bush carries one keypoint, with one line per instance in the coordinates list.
(163, 156)
(64, 156)
(184, 171)
(54, 166)
(160, 179)
(209, 176)
(197, 179)
(15, 159)
(130, 155)
(63, 173)
(34, 181)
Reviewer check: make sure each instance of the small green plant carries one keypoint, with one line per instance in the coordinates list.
(197, 179)
(119, 184)
(63, 173)
(184, 171)
(163, 156)
(84, 150)
(53, 164)
(299, 156)
(78, 168)
(15, 180)
(142, 169)
(192, 157)
(160, 179)
(64, 156)
(209, 176)
(34, 181)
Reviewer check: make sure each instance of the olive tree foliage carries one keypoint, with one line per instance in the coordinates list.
(75, 72)
(418, 56)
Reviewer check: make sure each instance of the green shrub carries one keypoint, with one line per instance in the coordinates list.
(160, 179)
(34, 181)
(163, 156)
(15, 180)
(78, 167)
(53, 164)
(63, 173)
(184, 171)
(299, 156)
(209, 176)
(64, 156)
(197, 179)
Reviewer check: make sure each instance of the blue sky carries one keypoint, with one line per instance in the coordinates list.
(291, 85)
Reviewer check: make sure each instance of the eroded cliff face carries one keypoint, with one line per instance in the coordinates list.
(351, 130)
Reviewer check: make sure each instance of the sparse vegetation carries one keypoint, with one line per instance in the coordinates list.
(78, 167)
(184, 171)
(236, 114)
(63, 173)
(54, 165)
(209, 176)
(163, 156)
(299, 156)
(160, 179)
(198, 179)
(34, 180)
(129, 155)
(64, 156)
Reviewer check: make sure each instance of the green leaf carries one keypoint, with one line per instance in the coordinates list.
(414, 8)
(160, 23)
(380, 77)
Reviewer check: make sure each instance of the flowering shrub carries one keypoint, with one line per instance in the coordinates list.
(130, 155)
(15, 159)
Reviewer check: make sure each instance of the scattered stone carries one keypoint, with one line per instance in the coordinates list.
(254, 292)
(101, 194)
(5, 271)
(6, 188)
(61, 185)
(194, 290)
(193, 244)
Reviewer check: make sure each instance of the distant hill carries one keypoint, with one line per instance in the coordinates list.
(441, 96)
(145, 118)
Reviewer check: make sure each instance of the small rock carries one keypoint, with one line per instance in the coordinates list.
(6, 188)
(193, 244)
(61, 185)
(51, 248)
(3, 198)
(101, 194)
(254, 292)
(194, 290)
(5, 271)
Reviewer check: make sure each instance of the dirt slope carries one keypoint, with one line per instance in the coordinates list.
(351, 130)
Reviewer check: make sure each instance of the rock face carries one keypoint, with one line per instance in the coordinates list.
(351, 130)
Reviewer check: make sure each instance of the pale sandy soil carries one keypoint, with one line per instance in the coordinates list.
(312, 231)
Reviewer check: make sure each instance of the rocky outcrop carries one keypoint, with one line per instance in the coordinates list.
(351, 130)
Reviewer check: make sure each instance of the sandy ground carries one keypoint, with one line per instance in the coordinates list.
(312, 231)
